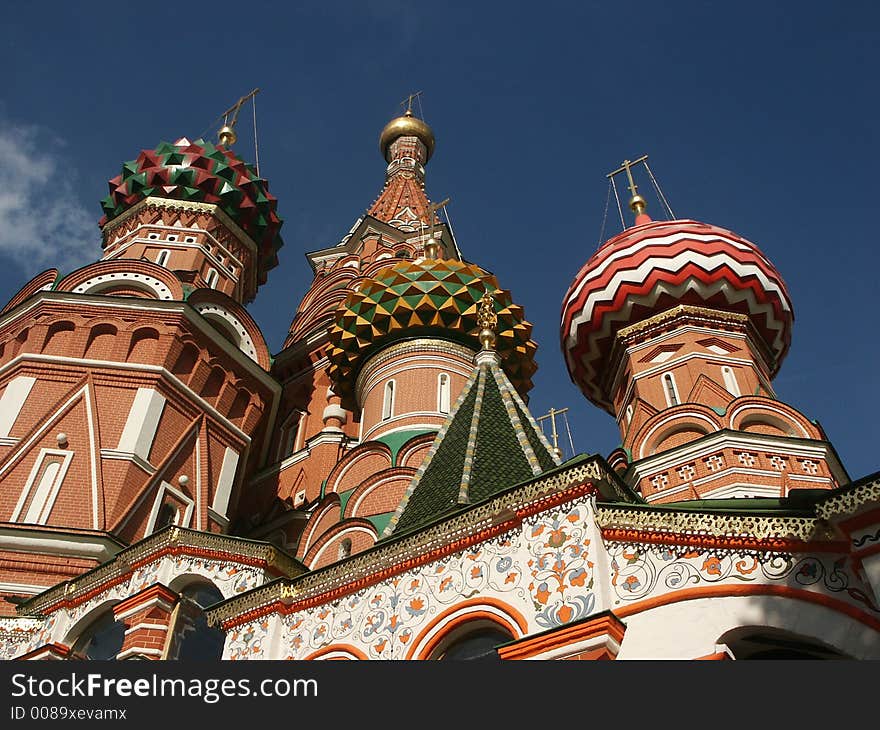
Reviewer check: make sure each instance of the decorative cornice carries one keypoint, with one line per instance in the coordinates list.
(842, 503)
(687, 310)
(187, 206)
(689, 527)
(388, 558)
(168, 541)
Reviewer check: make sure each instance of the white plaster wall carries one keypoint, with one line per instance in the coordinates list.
(692, 629)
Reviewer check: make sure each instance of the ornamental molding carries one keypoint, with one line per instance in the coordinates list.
(701, 314)
(169, 540)
(726, 438)
(191, 206)
(398, 555)
(842, 504)
(422, 346)
(646, 523)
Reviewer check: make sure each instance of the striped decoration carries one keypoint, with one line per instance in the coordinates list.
(650, 268)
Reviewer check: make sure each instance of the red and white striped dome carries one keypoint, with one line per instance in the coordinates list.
(652, 267)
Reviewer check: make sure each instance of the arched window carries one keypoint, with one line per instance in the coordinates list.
(443, 393)
(670, 390)
(102, 639)
(211, 278)
(629, 414)
(479, 643)
(162, 258)
(730, 381)
(344, 549)
(388, 401)
(770, 643)
(193, 639)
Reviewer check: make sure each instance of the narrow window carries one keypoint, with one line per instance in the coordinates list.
(443, 393)
(211, 278)
(629, 414)
(670, 389)
(162, 258)
(290, 434)
(42, 487)
(730, 381)
(388, 402)
(35, 514)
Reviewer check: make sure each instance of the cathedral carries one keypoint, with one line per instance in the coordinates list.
(379, 488)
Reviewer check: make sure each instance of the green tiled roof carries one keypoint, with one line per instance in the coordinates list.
(489, 442)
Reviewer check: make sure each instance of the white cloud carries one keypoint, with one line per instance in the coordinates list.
(42, 223)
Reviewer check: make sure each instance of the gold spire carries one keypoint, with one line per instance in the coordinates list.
(637, 204)
(407, 125)
(487, 321)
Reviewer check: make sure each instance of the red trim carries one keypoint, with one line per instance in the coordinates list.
(689, 594)
(871, 517)
(607, 625)
(717, 656)
(157, 592)
(539, 505)
(512, 614)
(357, 653)
(175, 550)
(711, 542)
(55, 648)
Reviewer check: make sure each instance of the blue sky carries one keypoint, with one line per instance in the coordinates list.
(759, 117)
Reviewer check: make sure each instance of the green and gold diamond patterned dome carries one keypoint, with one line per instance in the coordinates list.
(202, 172)
(429, 297)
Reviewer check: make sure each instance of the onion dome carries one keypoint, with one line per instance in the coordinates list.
(200, 172)
(427, 297)
(655, 266)
(406, 126)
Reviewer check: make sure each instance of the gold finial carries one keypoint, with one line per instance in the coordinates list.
(637, 203)
(487, 321)
(227, 135)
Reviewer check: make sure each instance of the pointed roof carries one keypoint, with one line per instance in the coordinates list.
(489, 442)
(403, 204)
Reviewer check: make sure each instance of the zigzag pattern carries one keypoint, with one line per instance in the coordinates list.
(650, 268)
(426, 297)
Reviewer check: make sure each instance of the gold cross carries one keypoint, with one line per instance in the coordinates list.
(626, 167)
(235, 108)
(551, 414)
(409, 100)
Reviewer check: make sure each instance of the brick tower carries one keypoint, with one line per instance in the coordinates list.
(135, 391)
(676, 328)
(378, 352)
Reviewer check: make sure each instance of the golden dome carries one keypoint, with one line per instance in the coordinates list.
(406, 126)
